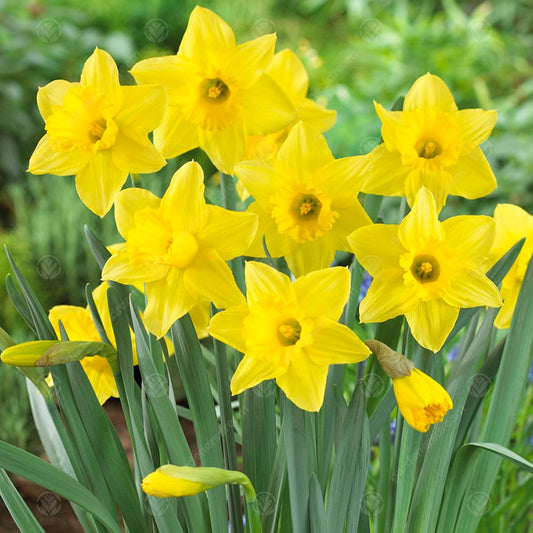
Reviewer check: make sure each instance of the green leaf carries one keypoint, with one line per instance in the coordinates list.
(28, 466)
(316, 506)
(502, 451)
(17, 507)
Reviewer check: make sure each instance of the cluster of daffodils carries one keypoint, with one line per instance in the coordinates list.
(247, 108)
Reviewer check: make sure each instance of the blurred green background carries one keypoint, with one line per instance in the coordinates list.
(356, 51)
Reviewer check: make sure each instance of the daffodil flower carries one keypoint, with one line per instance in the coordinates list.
(79, 326)
(421, 400)
(512, 224)
(431, 144)
(218, 92)
(426, 270)
(98, 130)
(289, 332)
(178, 246)
(306, 201)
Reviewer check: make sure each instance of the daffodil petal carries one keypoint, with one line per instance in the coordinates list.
(99, 182)
(251, 372)
(168, 300)
(128, 202)
(305, 257)
(390, 120)
(505, 314)
(101, 377)
(206, 34)
(476, 125)
(343, 179)
(230, 232)
(472, 236)
(249, 59)
(323, 292)
(421, 224)
(310, 112)
(224, 147)
(226, 326)
(167, 71)
(267, 108)
(101, 71)
(304, 382)
(118, 268)
(268, 230)
(431, 322)
(377, 247)
(387, 298)
(76, 321)
(335, 344)
(45, 160)
(209, 276)
(137, 156)
(350, 219)
(472, 177)
(184, 202)
(429, 91)
(262, 280)
(175, 135)
(289, 73)
(51, 95)
(385, 173)
(472, 289)
(143, 108)
(304, 151)
(259, 178)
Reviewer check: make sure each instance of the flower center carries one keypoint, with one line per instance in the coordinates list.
(289, 332)
(429, 149)
(425, 268)
(215, 90)
(307, 206)
(80, 122)
(182, 249)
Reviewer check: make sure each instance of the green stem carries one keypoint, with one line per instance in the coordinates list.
(228, 433)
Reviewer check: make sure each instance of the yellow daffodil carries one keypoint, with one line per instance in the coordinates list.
(290, 74)
(178, 246)
(218, 92)
(306, 201)
(79, 326)
(426, 270)
(421, 400)
(512, 224)
(289, 331)
(98, 130)
(177, 481)
(431, 144)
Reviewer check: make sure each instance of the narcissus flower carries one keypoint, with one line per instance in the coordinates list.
(426, 270)
(512, 224)
(218, 92)
(289, 331)
(98, 130)
(421, 400)
(178, 246)
(306, 201)
(79, 326)
(431, 144)
(177, 481)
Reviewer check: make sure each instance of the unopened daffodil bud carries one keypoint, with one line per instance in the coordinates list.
(421, 400)
(170, 480)
(47, 353)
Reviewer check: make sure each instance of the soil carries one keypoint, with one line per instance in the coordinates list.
(55, 513)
